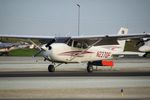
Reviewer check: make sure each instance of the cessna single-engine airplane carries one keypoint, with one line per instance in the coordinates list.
(76, 49)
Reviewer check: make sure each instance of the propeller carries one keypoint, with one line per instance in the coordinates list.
(38, 47)
(41, 49)
(38, 52)
(48, 45)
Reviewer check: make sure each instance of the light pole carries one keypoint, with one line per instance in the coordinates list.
(78, 19)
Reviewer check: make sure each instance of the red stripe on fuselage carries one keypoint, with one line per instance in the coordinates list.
(73, 53)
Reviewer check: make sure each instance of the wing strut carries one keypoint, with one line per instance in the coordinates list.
(35, 44)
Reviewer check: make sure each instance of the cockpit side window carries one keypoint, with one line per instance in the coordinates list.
(84, 45)
(80, 45)
(77, 44)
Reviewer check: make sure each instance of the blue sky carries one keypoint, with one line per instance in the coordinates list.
(50, 17)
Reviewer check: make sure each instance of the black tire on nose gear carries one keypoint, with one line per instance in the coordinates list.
(90, 68)
(51, 68)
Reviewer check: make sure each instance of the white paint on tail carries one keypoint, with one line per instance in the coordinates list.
(122, 31)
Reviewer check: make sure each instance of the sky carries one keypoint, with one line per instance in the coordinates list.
(60, 17)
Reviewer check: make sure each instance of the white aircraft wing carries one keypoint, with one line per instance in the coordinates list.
(14, 38)
(107, 40)
(89, 40)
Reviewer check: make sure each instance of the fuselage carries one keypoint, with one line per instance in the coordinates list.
(61, 52)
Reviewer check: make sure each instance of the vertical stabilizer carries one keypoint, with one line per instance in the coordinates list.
(122, 31)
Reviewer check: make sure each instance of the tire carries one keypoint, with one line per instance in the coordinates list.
(90, 68)
(51, 68)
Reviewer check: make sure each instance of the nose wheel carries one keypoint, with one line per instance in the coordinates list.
(51, 68)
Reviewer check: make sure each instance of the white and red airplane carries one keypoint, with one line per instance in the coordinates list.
(91, 49)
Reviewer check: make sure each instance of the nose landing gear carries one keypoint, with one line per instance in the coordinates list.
(51, 68)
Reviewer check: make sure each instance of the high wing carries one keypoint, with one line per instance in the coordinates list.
(89, 40)
(25, 38)
(108, 40)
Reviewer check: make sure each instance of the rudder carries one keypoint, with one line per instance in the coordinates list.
(122, 31)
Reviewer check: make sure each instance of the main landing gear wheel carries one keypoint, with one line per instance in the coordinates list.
(51, 68)
(90, 68)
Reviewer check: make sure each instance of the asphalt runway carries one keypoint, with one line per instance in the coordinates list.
(25, 78)
(75, 87)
